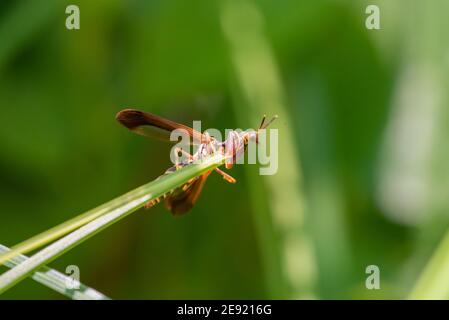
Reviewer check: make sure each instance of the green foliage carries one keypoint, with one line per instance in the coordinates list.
(56, 280)
(365, 111)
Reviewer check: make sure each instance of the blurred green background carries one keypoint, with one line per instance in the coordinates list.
(363, 175)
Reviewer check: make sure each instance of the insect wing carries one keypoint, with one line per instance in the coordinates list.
(183, 199)
(153, 126)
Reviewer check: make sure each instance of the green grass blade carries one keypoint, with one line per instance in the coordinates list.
(62, 229)
(120, 208)
(70, 225)
(56, 280)
(287, 254)
(433, 284)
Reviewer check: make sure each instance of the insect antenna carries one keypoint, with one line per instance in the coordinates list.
(269, 122)
(263, 121)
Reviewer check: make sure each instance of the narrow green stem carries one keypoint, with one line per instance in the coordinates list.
(64, 228)
(73, 224)
(119, 208)
(56, 280)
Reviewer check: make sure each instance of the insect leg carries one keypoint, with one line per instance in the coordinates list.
(180, 150)
(154, 202)
(225, 176)
(177, 150)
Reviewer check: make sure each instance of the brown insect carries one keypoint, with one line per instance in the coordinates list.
(183, 198)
